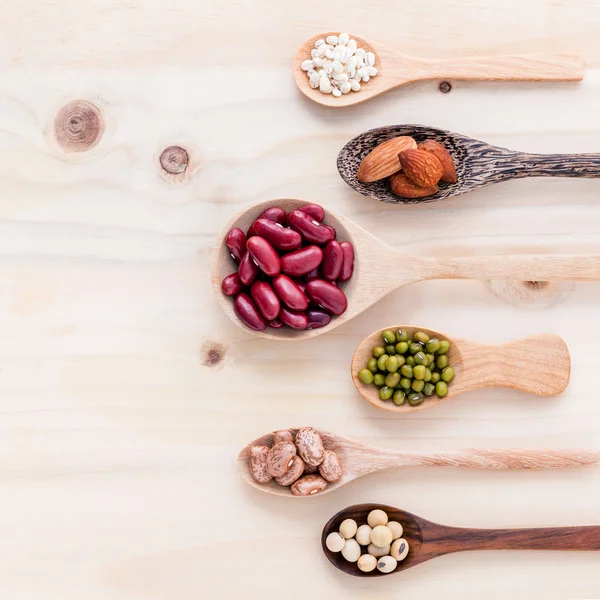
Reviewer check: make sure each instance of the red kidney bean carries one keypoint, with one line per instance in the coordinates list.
(302, 261)
(348, 264)
(301, 284)
(236, 242)
(264, 255)
(333, 231)
(275, 324)
(317, 318)
(327, 295)
(332, 261)
(275, 213)
(314, 274)
(247, 312)
(310, 230)
(232, 285)
(293, 319)
(289, 292)
(266, 299)
(279, 237)
(314, 210)
(247, 269)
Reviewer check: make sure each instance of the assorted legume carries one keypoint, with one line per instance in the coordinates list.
(377, 544)
(408, 370)
(289, 266)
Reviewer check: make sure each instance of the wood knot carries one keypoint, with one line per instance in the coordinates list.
(213, 354)
(532, 294)
(174, 160)
(536, 285)
(445, 87)
(78, 126)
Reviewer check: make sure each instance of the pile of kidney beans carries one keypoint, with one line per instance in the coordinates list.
(288, 268)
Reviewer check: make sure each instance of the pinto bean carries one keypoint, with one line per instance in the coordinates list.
(264, 255)
(309, 485)
(257, 463)
(327, 295)
(331, 467)
(283, 435)
(280, 458)
(310, 446)
(294, 472)
(247, 312)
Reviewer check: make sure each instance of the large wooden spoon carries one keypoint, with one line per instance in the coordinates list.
(477, 164)
(380, 269)
(358, 459)
(429, 540)
(546, 356)
(395, 69)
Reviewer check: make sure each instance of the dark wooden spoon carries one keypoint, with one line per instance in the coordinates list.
(477, 164)
(429, 540)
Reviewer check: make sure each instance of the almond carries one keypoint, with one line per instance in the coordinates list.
(421, 167)
(402, 186)
(440, 152)
(383, 160)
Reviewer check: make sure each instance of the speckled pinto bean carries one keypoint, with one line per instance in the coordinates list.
(275, 214)
(236, 242)
(309, 485)
(281, 238)
(331, 467)
(257, 461)
(332, 261)
(283, 435)
(264, 255)
(317, 318)
(327, 295)
(247, 312)
(292, 318)
(310, 446)
(232, 285)
(348, 262)
(265, 299)
(315, 211)
(247, 269)
(290, 293)
(302, 261)
(310, 230)
(280, 458)
(294, 472)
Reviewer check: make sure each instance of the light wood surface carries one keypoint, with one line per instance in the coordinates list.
(127, 393)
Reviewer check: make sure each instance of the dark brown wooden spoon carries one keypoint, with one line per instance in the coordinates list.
(429, 540)
(477, 164)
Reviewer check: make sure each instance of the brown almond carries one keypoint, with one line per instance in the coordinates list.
(421, 167)
(403, 187)
(383, 160)
(442, 154)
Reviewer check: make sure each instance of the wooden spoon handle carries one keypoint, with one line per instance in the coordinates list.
(519, 67)
(521, 164)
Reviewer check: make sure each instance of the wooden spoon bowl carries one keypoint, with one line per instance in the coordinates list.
(478, 365)
(429, 540)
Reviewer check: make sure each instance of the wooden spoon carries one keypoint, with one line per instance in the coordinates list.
(477, 164)
(477, 365)
(395, 68)
(379, 269)
(429, 540)
(359, 459)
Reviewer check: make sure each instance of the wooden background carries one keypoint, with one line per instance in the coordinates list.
(126, 393)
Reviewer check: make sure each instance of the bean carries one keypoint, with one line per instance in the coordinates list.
(247, 312)
(308, 485)
(378, 351)
(372, 365)
(379, 379)
(232, 285)
(310, 230)
(405, 383)
(399, 397)
(332, 261)
(301, 261)
(419, 372)
(275, 324)
(444, 347)
(317, 318)
(389, 337)
(293, 319)
(275, 214)
(348, 263)
(385, 393)
(264, 255)
(420, 358)
(429, 389)
(448, 374)
(333, 231)
(421, 336)
(365, 376)
(247, 269)
(390, 349)
(401, 360)
(236, 243)
(315, 211)
(290, 292)
(410, 361)
(314, 274)
(382, 362)
(435, 377)
(417, 385)
(406, 370)
(415, 347)
(441, 362)
(401, 347)
(392, 379)
(392, 364)
(402, 336)
(433, 345)
(441, 388)
(415, 398)
(428, 375)
(266, 299)
(279, 237)
(430, 359)
(328, 296)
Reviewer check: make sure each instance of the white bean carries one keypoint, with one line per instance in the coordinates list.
(366, 79)
(352, 45)
(336, 92)
(361, 73)
(343, 38)
(371, 71)
(367, 563)
(345, 87)
(377, 517)
(335, 542)
(314, 80)
(360, 53)
(355, 85)
(319, 42)
(396, 529)
(321, 73)
(399, 549)
(340, 77)
(318, 62)
(321, 50)
(314, 53)
(329, 53)
(307, 65)
(348, 528)
(363, 535)
(325, 85)
(370, 59)
(351, 551)
(332, 39)
(338, 67)
(386, 564)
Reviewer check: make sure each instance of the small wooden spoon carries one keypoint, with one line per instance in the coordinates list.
(395, 68)
(429, 540)
(477, 365)
(477, 164)
(359, 459)
(380, 269)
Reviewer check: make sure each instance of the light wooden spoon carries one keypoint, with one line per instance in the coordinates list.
(477, 163)
(395, 69)
(427, 540)
(358, 459)
(379, 269)
(539, 364)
